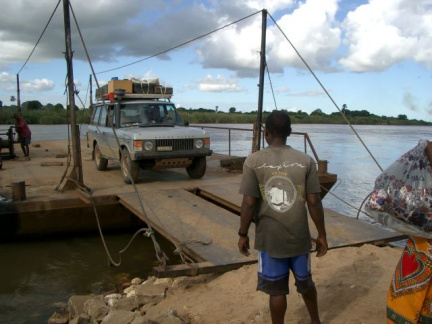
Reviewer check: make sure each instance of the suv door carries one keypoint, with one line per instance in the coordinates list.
(103, 133)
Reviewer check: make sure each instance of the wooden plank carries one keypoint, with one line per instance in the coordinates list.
(203, 230)
(194, 269)
(347, 231)
(41, 205)
(51, 163)
(341, 230)
(226, 194)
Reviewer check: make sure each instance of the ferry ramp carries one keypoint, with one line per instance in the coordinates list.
(202, 223)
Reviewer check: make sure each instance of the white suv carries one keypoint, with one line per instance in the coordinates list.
(145, 133)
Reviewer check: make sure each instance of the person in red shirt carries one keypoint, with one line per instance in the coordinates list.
(24, 134)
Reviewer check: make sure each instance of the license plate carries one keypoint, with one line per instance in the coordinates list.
(164, 148)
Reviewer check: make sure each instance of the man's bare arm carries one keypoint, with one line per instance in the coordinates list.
(247, 213)
(316, 211)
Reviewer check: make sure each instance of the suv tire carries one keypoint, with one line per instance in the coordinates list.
(101, 162)
(198, 167)
(127, 163)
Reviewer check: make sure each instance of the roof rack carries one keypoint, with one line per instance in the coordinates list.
(137, 96)
(147, 96)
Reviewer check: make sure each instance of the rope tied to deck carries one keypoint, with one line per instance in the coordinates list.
(183, 256)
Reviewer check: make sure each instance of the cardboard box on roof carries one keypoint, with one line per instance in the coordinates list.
(120, 84)
(100, 92)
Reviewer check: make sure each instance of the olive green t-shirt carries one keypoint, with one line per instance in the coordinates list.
(281, 177)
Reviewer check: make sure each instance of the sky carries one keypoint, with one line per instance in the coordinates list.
(373, 55)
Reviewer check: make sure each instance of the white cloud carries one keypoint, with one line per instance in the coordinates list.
(36, 85)
(233, 49)
(385, 32)
(8, 82)
(270, 5)
(313, 32)
(218, 84)
(377, 34)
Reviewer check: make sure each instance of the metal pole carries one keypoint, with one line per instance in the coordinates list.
(229, 142)
(18, 96)
(257, 126)
(76, 174)
(91, 95)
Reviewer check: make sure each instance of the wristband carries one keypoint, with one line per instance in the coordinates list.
(242, 234)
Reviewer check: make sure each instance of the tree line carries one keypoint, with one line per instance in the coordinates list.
(36, 113)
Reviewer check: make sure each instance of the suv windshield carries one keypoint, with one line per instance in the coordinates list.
(149, 114)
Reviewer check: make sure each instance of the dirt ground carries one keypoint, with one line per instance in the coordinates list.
(352, 285)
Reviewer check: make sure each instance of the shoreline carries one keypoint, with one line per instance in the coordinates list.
(352, 284)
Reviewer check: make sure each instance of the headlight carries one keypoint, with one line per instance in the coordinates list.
(148, 146)
(199, 143)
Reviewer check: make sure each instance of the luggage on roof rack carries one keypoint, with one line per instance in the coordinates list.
(148, 89)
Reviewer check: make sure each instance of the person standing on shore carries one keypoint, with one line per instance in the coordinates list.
(24, 134)
(278, 181)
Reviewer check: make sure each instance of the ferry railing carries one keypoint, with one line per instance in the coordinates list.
(306, 139)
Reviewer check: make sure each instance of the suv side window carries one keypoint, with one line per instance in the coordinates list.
(103, 117)
(95, 117)
(170, 112)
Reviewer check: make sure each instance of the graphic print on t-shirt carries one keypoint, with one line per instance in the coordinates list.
(280, 193)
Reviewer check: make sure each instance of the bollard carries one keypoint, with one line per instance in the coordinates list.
(18, 190)
(322, 166)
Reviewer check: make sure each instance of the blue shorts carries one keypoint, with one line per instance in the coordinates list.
(273, 274)
(25, 140)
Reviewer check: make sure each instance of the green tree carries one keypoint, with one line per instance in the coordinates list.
(12, 99)
(344, 108)
(402, 117)
(232, 110)
(76, 107)
(317, 112)
(33, 105)
(58, 106)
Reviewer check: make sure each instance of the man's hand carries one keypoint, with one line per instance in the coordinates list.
(243, 245)
(321, 246)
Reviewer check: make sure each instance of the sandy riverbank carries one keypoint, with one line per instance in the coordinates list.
(352, 285)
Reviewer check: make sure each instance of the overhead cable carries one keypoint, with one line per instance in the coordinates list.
(180, 45)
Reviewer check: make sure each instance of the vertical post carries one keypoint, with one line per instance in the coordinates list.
(257, 125)
(18, 96)
(91, 95)
(229, 142)
(76, 175)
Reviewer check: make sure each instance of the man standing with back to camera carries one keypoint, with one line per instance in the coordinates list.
(278, 181)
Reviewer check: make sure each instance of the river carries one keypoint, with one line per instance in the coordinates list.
(38, 277)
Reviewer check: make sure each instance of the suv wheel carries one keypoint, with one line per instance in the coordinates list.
(198, 167)
(101, 162)
(126, 164)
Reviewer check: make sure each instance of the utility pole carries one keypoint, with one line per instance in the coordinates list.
(18, 96)
(256, 140)
(76, 175)
(91, 95)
